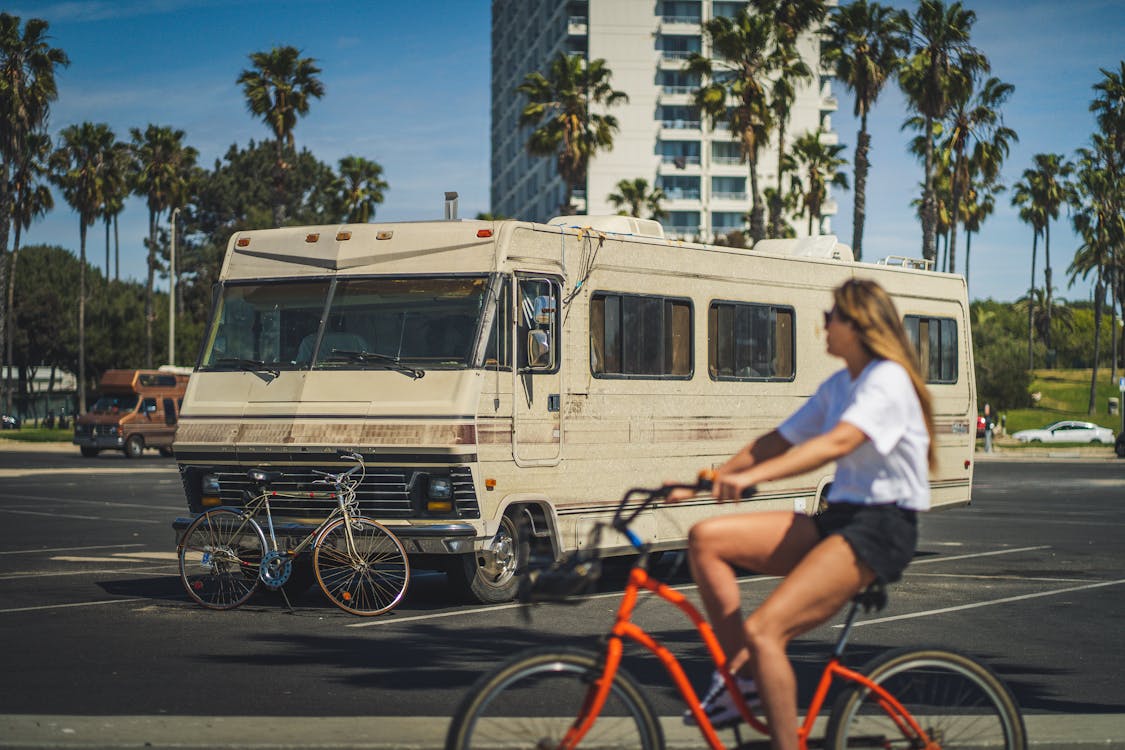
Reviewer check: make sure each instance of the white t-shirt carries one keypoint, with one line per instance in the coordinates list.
(891, 466)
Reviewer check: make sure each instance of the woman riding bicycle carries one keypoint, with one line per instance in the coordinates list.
(874, 419)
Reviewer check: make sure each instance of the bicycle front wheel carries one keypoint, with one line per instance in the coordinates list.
(371, 577)
(533, 700)
(219, 554)
(957, 701)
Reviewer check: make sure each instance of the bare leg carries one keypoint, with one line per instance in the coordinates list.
(771, 543)
(815, 589)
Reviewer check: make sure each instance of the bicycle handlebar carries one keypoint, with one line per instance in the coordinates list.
(704, 482)
(328, 477)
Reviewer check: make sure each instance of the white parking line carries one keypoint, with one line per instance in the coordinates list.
(81, 518)
(65, 606)
(990, 603)
(67, 549)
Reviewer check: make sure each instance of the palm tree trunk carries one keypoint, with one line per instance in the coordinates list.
(149, 286)
(859, 208)
(968, 248)
(928, 248)
(116, 251)
(1047, 290)
(775, 209)
(82, 315)
(5, 221)
(757, 213)
(107, 220)
(955, 198)
(1099, 295)
(1031, 299)
(9, 315)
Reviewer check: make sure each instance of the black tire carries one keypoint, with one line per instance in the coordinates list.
(134, 446)
(88, 452)
(532, 700)
(372, 582)
(494, 578)
(958, 702)
(166, 451)
(219, 556)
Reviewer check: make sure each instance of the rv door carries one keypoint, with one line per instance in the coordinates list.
(537, 425)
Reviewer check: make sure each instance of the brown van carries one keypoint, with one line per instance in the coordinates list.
(135, 409)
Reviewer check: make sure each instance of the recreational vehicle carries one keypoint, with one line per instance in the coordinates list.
(134, 410)
(507, 381)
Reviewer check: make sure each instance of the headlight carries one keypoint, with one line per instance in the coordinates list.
(440, 495)
(209, 490)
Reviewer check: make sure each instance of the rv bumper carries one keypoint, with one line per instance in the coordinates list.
(430, 539)
(99, 441)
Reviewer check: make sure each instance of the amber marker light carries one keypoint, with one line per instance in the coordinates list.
(243, 242)
(341, 236)
(490, 484)
(484, 233)
(312, 237)
(386, 234)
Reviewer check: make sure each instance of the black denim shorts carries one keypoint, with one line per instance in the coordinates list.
(883, 536)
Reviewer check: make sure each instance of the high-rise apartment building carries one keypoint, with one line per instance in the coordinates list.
(662, 136)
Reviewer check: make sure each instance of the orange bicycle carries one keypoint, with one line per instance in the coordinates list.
(568, 698)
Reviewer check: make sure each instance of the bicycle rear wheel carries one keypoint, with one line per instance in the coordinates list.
(958, 702)
(533, 700)
(371, 581)
(219, 556)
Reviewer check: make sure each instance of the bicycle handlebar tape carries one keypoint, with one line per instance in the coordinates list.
(706, 482)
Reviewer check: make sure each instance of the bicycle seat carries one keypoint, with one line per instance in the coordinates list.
(874, 597)
(262, 476)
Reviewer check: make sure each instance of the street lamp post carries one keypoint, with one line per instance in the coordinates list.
(172, 293)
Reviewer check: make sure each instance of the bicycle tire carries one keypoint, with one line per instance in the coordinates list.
(958, 702)
(219, 556)
(371, 584)
(532, 700)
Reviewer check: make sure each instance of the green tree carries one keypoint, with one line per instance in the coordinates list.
(864, 46)
(278, 89)
(162, 174)
(818, 164)
(31, 198)
(634, 195)
(558, 108)
(78, 166)
(1030, 212)
(361, 188)
(1049, 190)
(975, 127)
(734, 89)
(27, 88)
(1109, 108)
(938, 73)
(978, 204)
(116, 187)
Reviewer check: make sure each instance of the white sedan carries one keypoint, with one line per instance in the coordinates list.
(1067, 432)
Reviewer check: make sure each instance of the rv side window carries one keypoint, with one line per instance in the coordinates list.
(640, 336)
(750, 342)
(537, 311)
(935, 340)
(498, 353)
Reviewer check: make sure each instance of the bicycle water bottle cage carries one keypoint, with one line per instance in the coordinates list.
(262, 476)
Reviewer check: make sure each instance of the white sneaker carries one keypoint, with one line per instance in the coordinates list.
(719, 706)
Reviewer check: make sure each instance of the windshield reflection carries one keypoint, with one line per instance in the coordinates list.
(362, 323)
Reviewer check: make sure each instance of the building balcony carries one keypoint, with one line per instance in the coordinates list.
(717, 195)
(692, 21)
(681, 194)
(727, 161)
(678, 90)
(675, 55)
(829, 103)
(677, 232)
(681, 124)
(680, 162)
(576, 25)
(829, 137)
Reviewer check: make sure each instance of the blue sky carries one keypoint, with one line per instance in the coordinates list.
(407, 84)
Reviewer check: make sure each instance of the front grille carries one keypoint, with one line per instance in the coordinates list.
(383, 493)
(105, 430)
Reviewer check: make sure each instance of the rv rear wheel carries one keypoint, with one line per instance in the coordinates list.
(134, 446)
(492, 575)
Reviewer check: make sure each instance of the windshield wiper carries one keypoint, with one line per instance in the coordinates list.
(383, 359)
(246, 365)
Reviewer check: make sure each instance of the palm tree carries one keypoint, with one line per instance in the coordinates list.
(975, 122)
(1030, 212)
(939, 73)
(818, 164)
(77, 167)
(362, 187)
(865, 45)
(1049, 192)
(278, 90)
(27, 88)
(115, 189)
(635, 195)
(1109, 108)
(558, 107)
(739, 73)
(163, 170)
(978, 204)
(30, 198)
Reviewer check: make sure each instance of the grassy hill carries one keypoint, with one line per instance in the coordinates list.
(1065, 394)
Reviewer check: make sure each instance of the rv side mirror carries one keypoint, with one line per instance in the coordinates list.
(538, 350)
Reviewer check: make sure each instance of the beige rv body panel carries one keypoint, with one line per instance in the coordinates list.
(565, 442)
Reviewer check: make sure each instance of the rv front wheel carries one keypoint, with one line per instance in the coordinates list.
(491, 575)
(134, 446)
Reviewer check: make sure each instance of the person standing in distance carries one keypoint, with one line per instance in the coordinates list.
(874, 419)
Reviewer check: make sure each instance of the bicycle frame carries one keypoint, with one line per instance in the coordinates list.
(624, 627)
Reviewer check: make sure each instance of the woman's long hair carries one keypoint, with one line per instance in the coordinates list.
(872, 311)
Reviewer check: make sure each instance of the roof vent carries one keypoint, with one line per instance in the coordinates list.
(612, 224)
(451, 206)
(821, 246)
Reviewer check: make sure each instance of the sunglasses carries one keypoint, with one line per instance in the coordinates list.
(834, 313)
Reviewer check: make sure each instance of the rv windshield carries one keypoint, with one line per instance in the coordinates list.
(114, 404)
(354, 324)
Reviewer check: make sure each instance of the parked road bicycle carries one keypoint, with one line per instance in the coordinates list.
(359, 564)
(567, 697)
